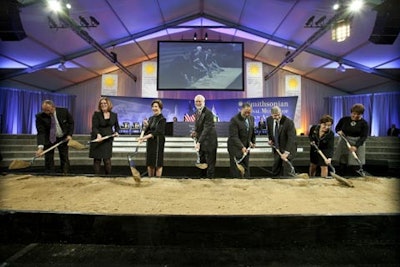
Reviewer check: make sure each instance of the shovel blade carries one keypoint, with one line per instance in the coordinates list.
(19, 164)
(342, 180)
(75, 144)
(241, 169)
(202, 165)
(134, 171)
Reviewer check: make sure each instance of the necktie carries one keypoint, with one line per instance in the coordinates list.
(52, 129)
(276, 134)
(246, 121)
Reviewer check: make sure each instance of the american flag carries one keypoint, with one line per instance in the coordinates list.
(190, 118)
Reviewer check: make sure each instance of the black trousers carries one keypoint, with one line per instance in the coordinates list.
(280, 167)
(209, 157)
(233, 170)
(64, 158)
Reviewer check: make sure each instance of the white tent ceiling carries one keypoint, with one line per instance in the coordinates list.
(131, 29)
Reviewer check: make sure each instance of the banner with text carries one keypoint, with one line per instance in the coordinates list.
(133, 109)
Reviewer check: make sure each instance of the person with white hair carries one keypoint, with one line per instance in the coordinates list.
(282, 135)
(205, 135)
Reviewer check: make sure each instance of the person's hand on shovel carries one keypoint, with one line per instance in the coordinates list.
(285, 155)
(98, 138)
(197, 146)
(39, 152)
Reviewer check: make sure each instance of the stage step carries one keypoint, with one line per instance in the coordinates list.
(179, 151)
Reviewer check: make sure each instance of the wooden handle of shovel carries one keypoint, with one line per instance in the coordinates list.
(103, 138)
(52, 147)
(349, 147)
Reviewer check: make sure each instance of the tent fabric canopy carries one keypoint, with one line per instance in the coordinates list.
(271, 31)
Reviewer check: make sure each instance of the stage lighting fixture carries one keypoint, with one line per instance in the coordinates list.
(62, 66)
(320, 21)
(114, 56)
(310, 22)
(341, 30)
(94, 21)
(340, 68)
(84, 22)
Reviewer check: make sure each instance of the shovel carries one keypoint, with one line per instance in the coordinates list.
(135, 173)
(360, 171)
(101, 139)
(198, 163)
(340, 179)
(292, 170)
(240, 166)
(75, 144)
(20, 164)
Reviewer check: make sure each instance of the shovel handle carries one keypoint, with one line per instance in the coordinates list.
(52, 147)
(103, 138)
(349, 146)
(322, 155)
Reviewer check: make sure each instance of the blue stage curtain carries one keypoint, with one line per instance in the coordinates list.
(381, 109)
(19, 107)
(385, 112)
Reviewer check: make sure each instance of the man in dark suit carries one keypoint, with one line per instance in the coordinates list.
(47, 135)
(282, 134)
(206, 136)
(241, 137)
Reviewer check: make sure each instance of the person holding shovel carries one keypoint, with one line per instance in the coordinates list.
(355, 130)
(54, 125)
(154, 134)
(282, 135)
(241, 137)
(323, 137)
(205, 135)
(104, 124)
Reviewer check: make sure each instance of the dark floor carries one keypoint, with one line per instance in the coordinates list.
(116, 255)
(48, 240)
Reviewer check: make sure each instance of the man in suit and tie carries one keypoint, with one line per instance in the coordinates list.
(54, 125)
(241, 137)
(206, 136)
(282, 134)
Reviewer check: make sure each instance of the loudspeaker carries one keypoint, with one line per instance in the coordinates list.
(387, 23)
(10, 23)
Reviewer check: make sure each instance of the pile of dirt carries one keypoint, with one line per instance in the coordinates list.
(122, 195)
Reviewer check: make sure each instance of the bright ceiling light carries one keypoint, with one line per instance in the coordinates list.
(336, 6)
(54, 5)
(356, 5)
(341, 30)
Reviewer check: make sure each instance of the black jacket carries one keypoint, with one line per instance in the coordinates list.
(239, 137)
(43, 123)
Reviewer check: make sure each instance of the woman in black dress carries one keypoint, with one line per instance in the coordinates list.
(104, 122)
(323, 137)
(155, 136)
